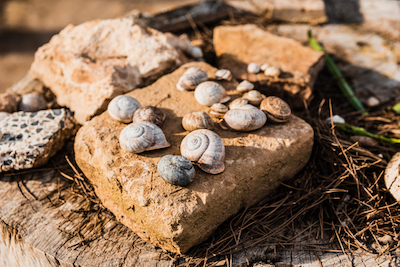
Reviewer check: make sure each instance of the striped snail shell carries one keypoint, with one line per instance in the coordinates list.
(245, 118)
(276, 109)
(253, 68)
(223, 74)
(150, 114)
(176, 170)
(32, 102)
(142, 136)
(238, 102)
(254, 97)
(244, 86)
(208, 93)
(122, 107)
(206, 149)
(218, 110)
(191, 78)
(197, 120)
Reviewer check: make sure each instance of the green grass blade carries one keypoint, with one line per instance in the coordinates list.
(361, 131)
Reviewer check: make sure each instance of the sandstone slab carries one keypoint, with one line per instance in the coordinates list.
(368, 60)
(177, 218)
(87, 65)
(297, 11)
(237, 46)
(31, 138)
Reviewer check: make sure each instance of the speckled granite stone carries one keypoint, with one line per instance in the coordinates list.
(31, 138)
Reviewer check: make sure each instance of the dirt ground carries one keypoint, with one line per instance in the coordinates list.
(25, 25)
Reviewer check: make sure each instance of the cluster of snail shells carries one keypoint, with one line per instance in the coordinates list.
(269, 70)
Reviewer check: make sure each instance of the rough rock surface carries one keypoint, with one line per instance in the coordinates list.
(177, 218)
(31, 138)
(392, 176)
(87, 65)
(304, 11)
(8, 102)
(370, 62)
(237, 46)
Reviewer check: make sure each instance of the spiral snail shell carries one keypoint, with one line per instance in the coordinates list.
(223, 74)
(150, 114)
(176, 170)
(197, 120)
(253, 68)
(238, 102)
(254, 97)
(244, 86)
(276, 109)
(142, 136)
(32, 102)
(206, 149)
(208, 93)
(191, 78)
(122, 107)
(245, 118)
(218, 110)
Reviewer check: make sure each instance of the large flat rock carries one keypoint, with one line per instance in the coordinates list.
(177, 218)
(237, 46)
(87, 65)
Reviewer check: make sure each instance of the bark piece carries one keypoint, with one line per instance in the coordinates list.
(177, 218)
(238, 46)
(87, 65)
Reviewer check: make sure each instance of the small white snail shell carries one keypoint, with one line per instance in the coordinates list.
(142, 136)
(223, 74)
(254, 97)
(218, 110)
(276, 109)
(245, 118)
(191, 78)
(253, 68)
(238, 102)
(272, 71)
(373, 102)
(208, 93)
(176, 170)
(264, 66)
(3, 115)
(150, 114)
(206, 149)
(122, 107)
(32, 102)
(244, 86)
(197, 120)
(194, 51)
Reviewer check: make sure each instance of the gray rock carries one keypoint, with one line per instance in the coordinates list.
(87, 65)
(31, 138)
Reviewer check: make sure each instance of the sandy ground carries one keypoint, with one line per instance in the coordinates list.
(25, 25)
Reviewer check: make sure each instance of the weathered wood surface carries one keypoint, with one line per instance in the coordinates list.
(44, 222)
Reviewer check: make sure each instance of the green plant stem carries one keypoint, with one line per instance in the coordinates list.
(361, 131)
(337, 74)
(396, 108)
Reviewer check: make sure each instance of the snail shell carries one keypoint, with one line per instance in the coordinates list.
(191, 78)
(3, 115)
(254, 97)
(264, 66)
(276, 109)
(32, 102)
(245, 86)
(194, 51)
(150, 114)
(253, 68)
(238, 102)
(223, 74)
(208, 93)
(218, 110)
(142, 136)
(272, 71)
(206, 148)
(122, 107)
(245, 118)
(176, 170)
(197, 120)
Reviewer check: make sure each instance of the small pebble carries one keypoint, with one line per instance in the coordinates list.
(253, 68)
(32, 102)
